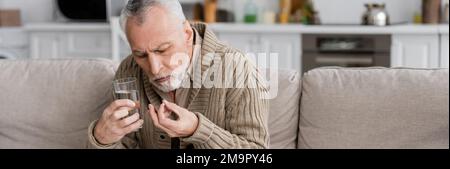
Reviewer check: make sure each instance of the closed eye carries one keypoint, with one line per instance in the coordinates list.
(164, 48)
(140, 54)
(159, 51)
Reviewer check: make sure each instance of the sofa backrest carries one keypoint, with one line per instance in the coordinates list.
(340, 108)
(284, 109)
(374, 108)
(50, 103)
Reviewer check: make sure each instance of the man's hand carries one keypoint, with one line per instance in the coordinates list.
(184, 126)
(115, 123)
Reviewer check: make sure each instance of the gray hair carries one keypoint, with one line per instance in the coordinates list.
(138, 8)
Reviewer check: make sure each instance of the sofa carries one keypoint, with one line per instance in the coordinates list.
(50, 103)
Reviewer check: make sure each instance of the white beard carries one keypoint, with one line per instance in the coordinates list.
(176, 80)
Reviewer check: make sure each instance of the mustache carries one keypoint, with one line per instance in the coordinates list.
(174, 74)
(160, 77)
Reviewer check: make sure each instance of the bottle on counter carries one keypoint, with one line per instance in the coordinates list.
(251, 12)
(210, 11)
(269, 16)
(285, 11)
(418, 17)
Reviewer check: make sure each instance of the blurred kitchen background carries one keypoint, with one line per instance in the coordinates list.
(304, 34)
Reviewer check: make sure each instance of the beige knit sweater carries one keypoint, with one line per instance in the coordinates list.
(229, 117)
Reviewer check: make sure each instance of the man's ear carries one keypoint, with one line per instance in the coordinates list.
(189, 33)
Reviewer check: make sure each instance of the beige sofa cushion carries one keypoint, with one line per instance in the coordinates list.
(284, 110)
(49, 104)
(374, 108)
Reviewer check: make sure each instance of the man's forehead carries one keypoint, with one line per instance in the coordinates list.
(144, 38)
(157, 18)
(154, 30)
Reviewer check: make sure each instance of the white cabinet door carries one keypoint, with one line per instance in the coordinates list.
(278, 50)
(13, 43)
(444, 51)
(245, 42)
(283, 49)
(88, 44)
(415, 51)
(46, 45)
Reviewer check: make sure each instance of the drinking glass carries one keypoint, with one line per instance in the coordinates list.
(126, 88)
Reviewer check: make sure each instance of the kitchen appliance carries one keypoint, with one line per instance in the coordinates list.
(321, 50)
(87, 10)
(375, 14)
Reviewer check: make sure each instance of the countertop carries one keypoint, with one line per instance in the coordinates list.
(263, 28)
(335, 29)
(67, 26)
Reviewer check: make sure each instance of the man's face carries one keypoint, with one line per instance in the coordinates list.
(162, 47)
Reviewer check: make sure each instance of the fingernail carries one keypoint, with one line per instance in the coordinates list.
(165, 101)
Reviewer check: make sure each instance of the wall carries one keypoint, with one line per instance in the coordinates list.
(45, 10)
(331, 11)
(350, 11)
(32, 10)
(239, 5)
(347, 11)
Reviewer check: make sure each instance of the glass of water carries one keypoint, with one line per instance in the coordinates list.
(126, 88)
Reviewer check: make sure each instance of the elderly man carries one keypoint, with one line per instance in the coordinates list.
(174, 62)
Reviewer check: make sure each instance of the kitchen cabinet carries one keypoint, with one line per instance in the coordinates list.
(13, 43)
(88, 44)
(417, 46)
(415, 51)
(246, 42)
(45, 45)
(70, 44)
(444, 51)
(287, 48)
(279, 50)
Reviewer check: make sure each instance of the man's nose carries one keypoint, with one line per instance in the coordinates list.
(155, 64)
